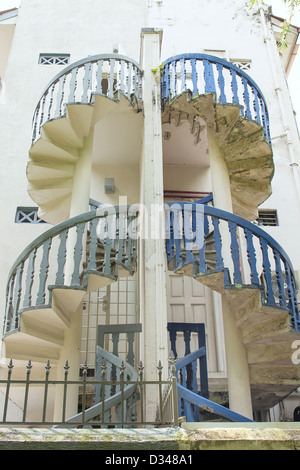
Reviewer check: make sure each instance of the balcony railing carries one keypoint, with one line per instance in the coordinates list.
(246, 254)
(100, 242)
(103, 74)
(202, 74)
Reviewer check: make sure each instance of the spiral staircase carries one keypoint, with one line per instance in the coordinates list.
(221, 250)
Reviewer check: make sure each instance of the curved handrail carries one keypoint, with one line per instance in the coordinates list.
(267, 265)
(192, 402)
(210, 74)
(100, 408)
(203, 403)
(101, 74)
(112, 230)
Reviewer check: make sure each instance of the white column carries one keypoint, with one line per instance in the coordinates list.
(237, 365)
(153, 305)
(236, 359)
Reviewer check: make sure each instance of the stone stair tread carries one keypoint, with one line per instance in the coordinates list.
(40, 171)
(44, 150)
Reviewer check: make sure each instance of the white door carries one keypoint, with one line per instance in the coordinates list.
(192, 302)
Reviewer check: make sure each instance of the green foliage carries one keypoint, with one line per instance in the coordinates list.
(292, 5)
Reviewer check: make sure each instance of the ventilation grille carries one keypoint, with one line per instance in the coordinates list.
(27, 215)
(54, 59)
(267, 218)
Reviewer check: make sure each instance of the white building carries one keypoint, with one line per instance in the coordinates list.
(110, 112)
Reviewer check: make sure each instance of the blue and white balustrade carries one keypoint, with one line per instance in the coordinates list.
(102, 74)
(101, 242)
(202, 74)
(243, 252)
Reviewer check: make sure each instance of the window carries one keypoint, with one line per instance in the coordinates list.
(27, 215)
(267, 217)
(54, 59)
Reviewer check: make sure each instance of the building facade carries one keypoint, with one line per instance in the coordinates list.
(150, 184)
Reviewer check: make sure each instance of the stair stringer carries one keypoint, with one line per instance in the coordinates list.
(247, 153)
(40, 333)
(53, 156)
(100, 409)
(268, 337)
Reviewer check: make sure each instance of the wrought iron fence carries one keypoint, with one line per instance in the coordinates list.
(29, 401)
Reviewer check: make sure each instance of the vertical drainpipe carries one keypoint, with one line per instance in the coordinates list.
(273, 58)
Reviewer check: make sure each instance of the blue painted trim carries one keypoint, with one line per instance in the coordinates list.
(87, 60)
(268, 248)
(216, 60)
(229, 217)
(194, 399)
(210, 86)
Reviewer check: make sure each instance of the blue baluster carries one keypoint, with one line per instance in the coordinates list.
(221, 83)
(251, 257)
(194, 76)
(29, 279)
(99, 77)
(267, 271)
(168, 232)
(174, 79)
(234, 87)
(246, 98)
(187, 216)
(235, 253)
(177, 238)
(78, 254)
(173, 335)
(202, 360)
(92, 264)
(218, 244)
(182, 74)
(208, 77)
(18, 292)
(256, 105)
(61, 258)
(198, 228)
(168, 81)
(279, 279)
(292, 298)
(44, 268)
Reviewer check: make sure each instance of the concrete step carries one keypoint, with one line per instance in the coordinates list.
(40, 334)
(24, 345)
(44, 151)
(56, 210)
(39, 173)
(60, 132)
